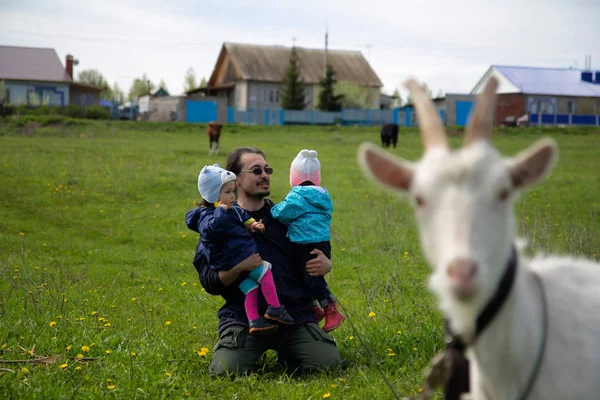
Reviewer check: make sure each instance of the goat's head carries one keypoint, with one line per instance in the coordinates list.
(463, 199)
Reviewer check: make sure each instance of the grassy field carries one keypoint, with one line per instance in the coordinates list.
(95, 258)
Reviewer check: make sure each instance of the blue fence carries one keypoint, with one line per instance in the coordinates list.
(564, 119)
(404, 117)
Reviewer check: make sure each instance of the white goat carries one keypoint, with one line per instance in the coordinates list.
(463, 202)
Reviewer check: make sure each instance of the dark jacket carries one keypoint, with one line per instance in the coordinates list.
(273, 246)
(223, 232)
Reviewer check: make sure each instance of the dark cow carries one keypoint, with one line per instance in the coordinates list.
(214, 134)
(389, 135)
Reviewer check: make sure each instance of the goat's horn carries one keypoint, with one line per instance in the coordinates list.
(481, 125)
(430, 124)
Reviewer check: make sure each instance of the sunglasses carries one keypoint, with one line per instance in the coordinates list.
(259, 170)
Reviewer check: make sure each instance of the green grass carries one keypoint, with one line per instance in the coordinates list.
(93, 242)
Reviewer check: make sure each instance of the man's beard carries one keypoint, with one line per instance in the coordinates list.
(259, 195)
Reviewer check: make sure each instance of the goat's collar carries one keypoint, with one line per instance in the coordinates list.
(492, 307)
(458, 380)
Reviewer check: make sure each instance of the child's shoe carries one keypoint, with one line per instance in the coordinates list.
(319, 313)
(261, 326)
(333, 318)
(279, 314)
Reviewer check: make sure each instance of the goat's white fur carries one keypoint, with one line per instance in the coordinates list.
(464, 217)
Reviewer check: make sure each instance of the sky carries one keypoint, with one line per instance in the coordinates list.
(448, 44)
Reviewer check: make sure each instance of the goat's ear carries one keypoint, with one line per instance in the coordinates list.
(533, 164)
(384, 168)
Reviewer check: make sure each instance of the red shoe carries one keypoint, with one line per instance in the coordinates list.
(333, 318)
(319, 313)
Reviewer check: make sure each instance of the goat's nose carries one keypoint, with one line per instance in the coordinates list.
(462, 270)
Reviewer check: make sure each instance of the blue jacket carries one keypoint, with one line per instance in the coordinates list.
(306, 211)
(224, 235)
(288, 273)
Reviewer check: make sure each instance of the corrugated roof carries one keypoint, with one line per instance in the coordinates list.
(549, 81)
(31, 63)
(269, 63)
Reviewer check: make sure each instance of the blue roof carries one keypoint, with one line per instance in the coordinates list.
(549, 81)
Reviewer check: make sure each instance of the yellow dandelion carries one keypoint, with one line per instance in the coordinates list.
(68, 347)
(167, 323)
(327, 395)
(94, 313)
(333, 385)
(113, 306)
(4, 346)
(21, 233)
(79, 355)
(420, 389)
(391, 354)
(341, 379)
(204, 349)
(63, 366)
(160, 289)
(107, 351)
(351, 337)
(53, 323)
(183, 283)
(168, 373)
(77, 368)
(85, 348)
(372, 314)
(133, 354)
(107, 324)
(343, 249)
(133, 299)
(24, 371)
(414, 348)
(111, 387)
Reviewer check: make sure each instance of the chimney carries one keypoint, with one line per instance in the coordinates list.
(69, 66)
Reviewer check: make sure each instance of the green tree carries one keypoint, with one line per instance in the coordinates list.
(396, 99)
(163, 85)
(118, 94)
(328, 100)
(189, 80)
(140, 87)
(292, 94)
(2, 97)
(203, 82)
(354, 96)
(94, 77)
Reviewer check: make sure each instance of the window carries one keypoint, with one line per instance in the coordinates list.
(276, 96)
(271, 96)
(571, 107)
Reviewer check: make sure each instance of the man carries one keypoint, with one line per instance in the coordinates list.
(303, 346)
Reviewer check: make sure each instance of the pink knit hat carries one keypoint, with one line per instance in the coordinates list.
(305, 167)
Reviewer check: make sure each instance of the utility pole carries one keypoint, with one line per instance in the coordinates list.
(326, 44)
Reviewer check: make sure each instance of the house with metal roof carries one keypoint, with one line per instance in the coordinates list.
(544, 91)
(35, 76)
(250, 76)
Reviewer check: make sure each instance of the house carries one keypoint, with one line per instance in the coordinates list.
(35, 76)
(544, 91)
(250, 76)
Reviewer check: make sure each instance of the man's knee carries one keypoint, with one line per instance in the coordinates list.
(231, 357)
(311, 349)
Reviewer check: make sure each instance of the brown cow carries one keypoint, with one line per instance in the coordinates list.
(214, 133)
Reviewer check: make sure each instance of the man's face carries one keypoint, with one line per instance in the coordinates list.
(250, 184)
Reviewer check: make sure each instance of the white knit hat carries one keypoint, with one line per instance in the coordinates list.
(210, 180)
(305, 167)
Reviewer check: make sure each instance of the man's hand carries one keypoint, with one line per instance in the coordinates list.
(319, 266)
(250, 263)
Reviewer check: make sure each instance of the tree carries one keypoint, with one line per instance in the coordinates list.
(354, 96)
(118, 94)
(2, 97)
(94, 77)
(203, 82)
(140, 87)
(292, 94)
(189, 80)
(396, 99)
(163, 85)
(328, 100)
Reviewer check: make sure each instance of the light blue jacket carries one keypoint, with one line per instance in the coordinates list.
(306, 210)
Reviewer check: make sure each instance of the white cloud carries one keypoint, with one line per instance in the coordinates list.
(449, 45)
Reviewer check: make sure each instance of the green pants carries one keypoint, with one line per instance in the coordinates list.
(305, 347)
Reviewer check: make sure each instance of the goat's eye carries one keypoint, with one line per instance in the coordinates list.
(419, 200)
(503, 195)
